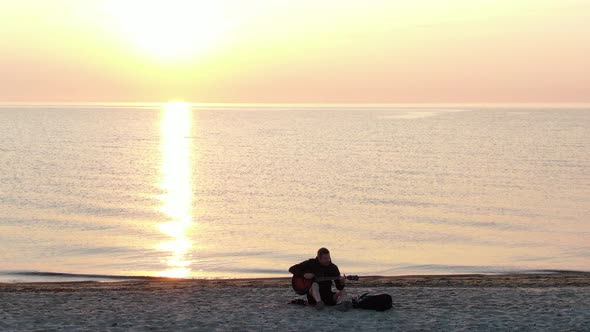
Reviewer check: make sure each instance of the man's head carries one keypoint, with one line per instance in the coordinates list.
(324, 256)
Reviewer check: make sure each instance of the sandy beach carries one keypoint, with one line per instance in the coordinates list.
(541, 301)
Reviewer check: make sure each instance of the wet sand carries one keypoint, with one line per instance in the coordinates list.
(541, 301)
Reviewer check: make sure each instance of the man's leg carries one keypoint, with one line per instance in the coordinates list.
(315, 292)
(340, 296)
(341, 303)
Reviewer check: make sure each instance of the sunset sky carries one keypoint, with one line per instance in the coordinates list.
(307, 51)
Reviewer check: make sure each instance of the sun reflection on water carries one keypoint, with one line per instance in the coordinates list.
(176, 182)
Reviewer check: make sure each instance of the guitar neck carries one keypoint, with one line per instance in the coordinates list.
(327, 278)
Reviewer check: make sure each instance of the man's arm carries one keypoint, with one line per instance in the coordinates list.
(299, 269)
(338, 282)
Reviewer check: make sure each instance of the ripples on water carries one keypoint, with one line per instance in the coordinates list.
(248, 191)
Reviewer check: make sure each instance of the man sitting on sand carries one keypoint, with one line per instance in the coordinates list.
(321, 292)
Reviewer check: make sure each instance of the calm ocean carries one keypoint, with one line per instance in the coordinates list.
(247, 191)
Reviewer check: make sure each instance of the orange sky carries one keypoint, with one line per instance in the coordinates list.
(370, 51)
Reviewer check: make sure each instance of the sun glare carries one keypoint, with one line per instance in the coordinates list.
(168, 29)
(176, 181)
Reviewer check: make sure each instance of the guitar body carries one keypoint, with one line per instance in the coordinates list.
(301, 285)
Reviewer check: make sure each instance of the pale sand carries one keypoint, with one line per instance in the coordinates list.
(559, 301)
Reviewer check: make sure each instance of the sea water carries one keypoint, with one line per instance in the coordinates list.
(248, 190)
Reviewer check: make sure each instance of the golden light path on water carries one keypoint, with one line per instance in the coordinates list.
(176, 182)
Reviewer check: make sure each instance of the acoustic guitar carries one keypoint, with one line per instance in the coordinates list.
(302, 285)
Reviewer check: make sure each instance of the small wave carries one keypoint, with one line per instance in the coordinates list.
(466, 269)
(44, 276)
(398, 202)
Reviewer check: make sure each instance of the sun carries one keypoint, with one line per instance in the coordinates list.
(168, 29)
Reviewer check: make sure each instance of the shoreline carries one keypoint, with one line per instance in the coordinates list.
(545, 279)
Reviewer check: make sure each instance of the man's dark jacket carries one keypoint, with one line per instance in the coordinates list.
(312, 265)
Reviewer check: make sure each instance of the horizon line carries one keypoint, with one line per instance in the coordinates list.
(299, 104)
